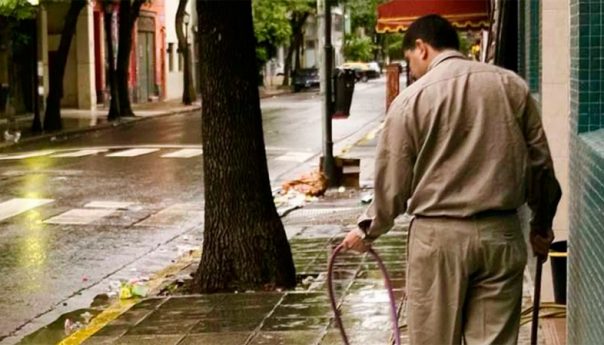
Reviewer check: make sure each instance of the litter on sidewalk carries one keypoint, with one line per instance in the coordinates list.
(313, 184)
(134, 289)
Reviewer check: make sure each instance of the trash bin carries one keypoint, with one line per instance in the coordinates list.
(558, 255)
(344, 88)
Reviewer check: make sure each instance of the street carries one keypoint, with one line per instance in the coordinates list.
(80, 214)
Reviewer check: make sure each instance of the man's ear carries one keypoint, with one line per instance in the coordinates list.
(422, 48)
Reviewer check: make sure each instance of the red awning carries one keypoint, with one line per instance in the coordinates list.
(397, 15)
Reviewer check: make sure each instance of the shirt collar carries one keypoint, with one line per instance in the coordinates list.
(445, 55)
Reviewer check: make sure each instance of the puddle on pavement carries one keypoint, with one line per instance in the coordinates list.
(56, 331)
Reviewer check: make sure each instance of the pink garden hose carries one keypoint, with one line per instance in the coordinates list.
(388, 285)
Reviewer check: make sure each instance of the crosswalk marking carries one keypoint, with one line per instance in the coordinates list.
(16, 206)
(295, 157)
(174, 215)
(184, 153)
(132, 153)
(79, 153)
(171, 151)
(27, 155)
(115, 205)
(79, 216)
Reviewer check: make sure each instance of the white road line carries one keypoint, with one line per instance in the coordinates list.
(15, 206)
(79, 216)
(115, 205)
(80, 153)
(174, 215)
(184, 153)
(28, 155)
(295, 156)
(131, 153)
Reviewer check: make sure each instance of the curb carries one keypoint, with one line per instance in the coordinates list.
(104, 126)
(117, 308)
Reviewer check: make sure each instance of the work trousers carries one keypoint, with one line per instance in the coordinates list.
(464, 280)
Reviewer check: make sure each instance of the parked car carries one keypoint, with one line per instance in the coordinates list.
(374, 69)
(364, 71)
(305, 78)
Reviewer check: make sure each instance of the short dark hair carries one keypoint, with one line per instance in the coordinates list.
(434, 30)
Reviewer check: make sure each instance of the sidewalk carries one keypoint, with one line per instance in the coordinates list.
(77, 120)
(300, 317)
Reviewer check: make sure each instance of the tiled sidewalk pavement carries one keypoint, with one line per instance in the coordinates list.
(301, 317)
(297, 317)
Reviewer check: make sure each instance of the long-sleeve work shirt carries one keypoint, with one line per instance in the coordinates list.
(464, 139)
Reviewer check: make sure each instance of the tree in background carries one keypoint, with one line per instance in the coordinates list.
(299, 11)
(188, 92)
(129, 10)
(358, 48)
(52, 118)
(393, 46)
(16, 23)
(271, 27)
(363, 18)
(114, 105)
(244, 244)
(118, 67)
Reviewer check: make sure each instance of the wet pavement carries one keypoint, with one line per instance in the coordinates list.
(81, 212)
(300, 317)
(146, 233)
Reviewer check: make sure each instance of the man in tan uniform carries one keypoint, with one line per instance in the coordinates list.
(462, 149)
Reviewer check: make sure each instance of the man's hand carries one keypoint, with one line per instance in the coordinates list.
(541, 242)
(354, 242)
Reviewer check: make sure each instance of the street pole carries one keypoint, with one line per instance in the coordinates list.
(328, 159)
(38, 66)
(186, 94)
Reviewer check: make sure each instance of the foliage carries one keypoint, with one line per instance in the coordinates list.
(363, 18)
(271, 26)
(358, 48)
(393, 45)
(17, 9)
(363, 14)
(464, 43)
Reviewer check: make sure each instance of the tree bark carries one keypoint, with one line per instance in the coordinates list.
(244, 245)
(52, 118)
(188, 93)
(128, 13)
(298, 63)
(297, 24)
(114, 105)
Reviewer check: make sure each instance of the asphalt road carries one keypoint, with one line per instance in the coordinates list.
(78, 214)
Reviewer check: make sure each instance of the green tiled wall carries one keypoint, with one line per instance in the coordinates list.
(587, 65)
(532, 44)
(586, 240)
(586, 233)
(521, 38)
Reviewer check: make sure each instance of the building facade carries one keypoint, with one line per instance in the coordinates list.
(561, 55)
(85, 85)
(174, 62)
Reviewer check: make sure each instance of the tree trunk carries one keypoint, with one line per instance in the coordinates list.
(114, 105)
(295, 42)
(128, 13)
(188, 93)
(244, 245)
(52, 117)
(298, 63)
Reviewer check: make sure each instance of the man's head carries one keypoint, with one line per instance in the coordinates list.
(425, 39)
